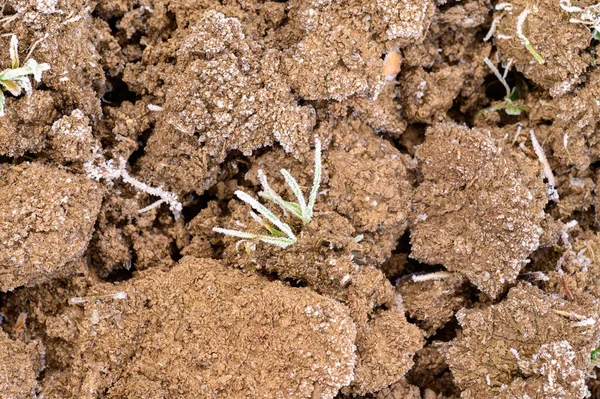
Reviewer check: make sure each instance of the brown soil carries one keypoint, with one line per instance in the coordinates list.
(454, 249)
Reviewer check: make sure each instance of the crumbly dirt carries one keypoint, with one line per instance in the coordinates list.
(562, 50)
(46, 218)
(523, 347)
(20, 364)
(454, 249)
(225, 328)
(478, 207)
(433, 303)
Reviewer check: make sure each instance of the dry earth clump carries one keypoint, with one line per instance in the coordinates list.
(354, 227)
(433, 303)
(20, 365)
(77, 76)
(563, 58)
(196, 96)
(224, 93)
(369, 184)
(46, 220)
(529, 345)
(218, 333)
(572, 135)
(478, 207)
(24, 128)
(385, 347)
(343, 44)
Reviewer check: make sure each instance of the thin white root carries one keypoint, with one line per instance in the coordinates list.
(493, 27)
(431, 276)
(77, 300)
(106, 170)
(566, 5)
(498, 75)
(564, 233)
(152, 206)
(503, 6)
(571, 315)
(154, 108)
(539, 151)
(519, 128)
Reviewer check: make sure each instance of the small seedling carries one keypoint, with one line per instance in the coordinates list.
(524, 40)
(508, 105)
(359, 238)
(15, 79)
(281, 233)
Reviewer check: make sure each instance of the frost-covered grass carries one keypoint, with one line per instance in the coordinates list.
(15, 79)
(108, 171)
(524, 39)
(588, 16)
(281, 233)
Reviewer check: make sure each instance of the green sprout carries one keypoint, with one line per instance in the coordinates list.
(595, 355)
(15, 79)
(281, 233)
(508, 105)
(524, 40)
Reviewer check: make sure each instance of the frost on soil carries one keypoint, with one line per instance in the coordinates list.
(478, 207)
(561, 43)
(225, 93)
(369, 185)
(433, 303)
(337, 51)
(522, 348)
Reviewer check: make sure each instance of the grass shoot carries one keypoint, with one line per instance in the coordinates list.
(15, 79)
(280, 232)
(508, 105)
(525, 40)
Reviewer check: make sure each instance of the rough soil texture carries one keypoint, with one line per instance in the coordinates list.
(433, 303)
(218, 333)
(46, 220)
(563, 50)
(523, 347)
(478, 207)
(453, 251)
(20, 364)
